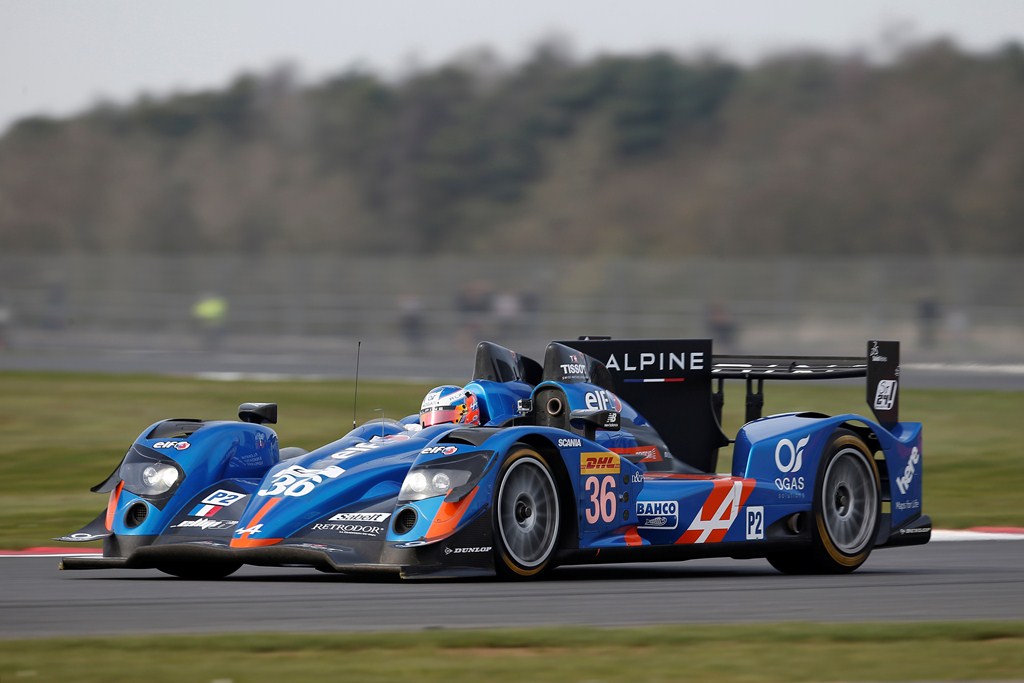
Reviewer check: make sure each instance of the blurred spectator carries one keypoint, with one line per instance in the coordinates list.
(5, 322)
(507, 313)
(410, 310)
(928, 314)
(473, 303)
(56, 303)
(210, 313)
(721, 327)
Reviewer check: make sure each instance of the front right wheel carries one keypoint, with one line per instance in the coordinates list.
(527, 515)
(847, 505)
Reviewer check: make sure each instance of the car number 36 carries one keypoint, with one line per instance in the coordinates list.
(601, 506)
(297, 481)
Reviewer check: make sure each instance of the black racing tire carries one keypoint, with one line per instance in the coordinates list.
(201, 572)
(527, 515)
(846, 513)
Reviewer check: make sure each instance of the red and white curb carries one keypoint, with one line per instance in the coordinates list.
(981, 533)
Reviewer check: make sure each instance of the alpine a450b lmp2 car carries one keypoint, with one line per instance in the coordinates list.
(607, 452)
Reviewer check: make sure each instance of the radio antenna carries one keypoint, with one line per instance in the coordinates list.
(355, 390)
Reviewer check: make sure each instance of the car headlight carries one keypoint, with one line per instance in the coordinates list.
(453, 477)
(147, 473)
(159, 478)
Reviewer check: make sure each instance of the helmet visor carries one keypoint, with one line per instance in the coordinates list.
(429, 418)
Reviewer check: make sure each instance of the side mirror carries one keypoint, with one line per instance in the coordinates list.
(587, 422)
(258, 413)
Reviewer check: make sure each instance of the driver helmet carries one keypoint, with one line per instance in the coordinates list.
(449, 404)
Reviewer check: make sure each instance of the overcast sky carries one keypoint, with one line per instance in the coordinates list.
(59, 57)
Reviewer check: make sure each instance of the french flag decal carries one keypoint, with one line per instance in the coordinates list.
(206, 510)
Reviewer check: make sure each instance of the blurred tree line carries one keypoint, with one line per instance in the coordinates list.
(802, 153)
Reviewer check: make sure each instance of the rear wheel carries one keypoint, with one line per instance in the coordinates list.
(527, 515)
(846, 511)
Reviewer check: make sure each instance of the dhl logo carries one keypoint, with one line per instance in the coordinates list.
(599, 463)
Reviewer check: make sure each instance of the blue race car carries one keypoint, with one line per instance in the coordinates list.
(607, 452)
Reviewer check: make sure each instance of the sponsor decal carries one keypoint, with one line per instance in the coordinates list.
(252, 530)
(662, 362)
(904, 481)
(467, 551)
(602, 400)
(916, 530)
(378, 517)
(176, 445)
(885, 394)
(570, 443)
(83, 536)
(574, 369)
(755, 523)
(876, 354)
(646, 453)
(721, 508)
(909, 505)
(223, 498)
(351, 529)
(205, 524)
(599, 463)
(657, 514)
(411, 544)
(443, 450)
(789, 459)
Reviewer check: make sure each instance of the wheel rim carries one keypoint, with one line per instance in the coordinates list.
(850, 501)
(528, 512)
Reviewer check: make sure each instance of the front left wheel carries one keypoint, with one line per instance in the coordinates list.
(527, 515)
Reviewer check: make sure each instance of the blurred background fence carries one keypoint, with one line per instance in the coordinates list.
(958, 309)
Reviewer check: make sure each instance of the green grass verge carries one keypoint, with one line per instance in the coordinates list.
(777, 652)
(62, 433)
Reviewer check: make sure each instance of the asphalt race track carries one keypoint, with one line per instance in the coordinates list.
(939, 581)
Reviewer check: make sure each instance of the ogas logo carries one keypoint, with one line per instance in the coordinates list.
(789, 459)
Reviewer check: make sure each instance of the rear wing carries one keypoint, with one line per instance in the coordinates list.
(881, 367)
(669, 381)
